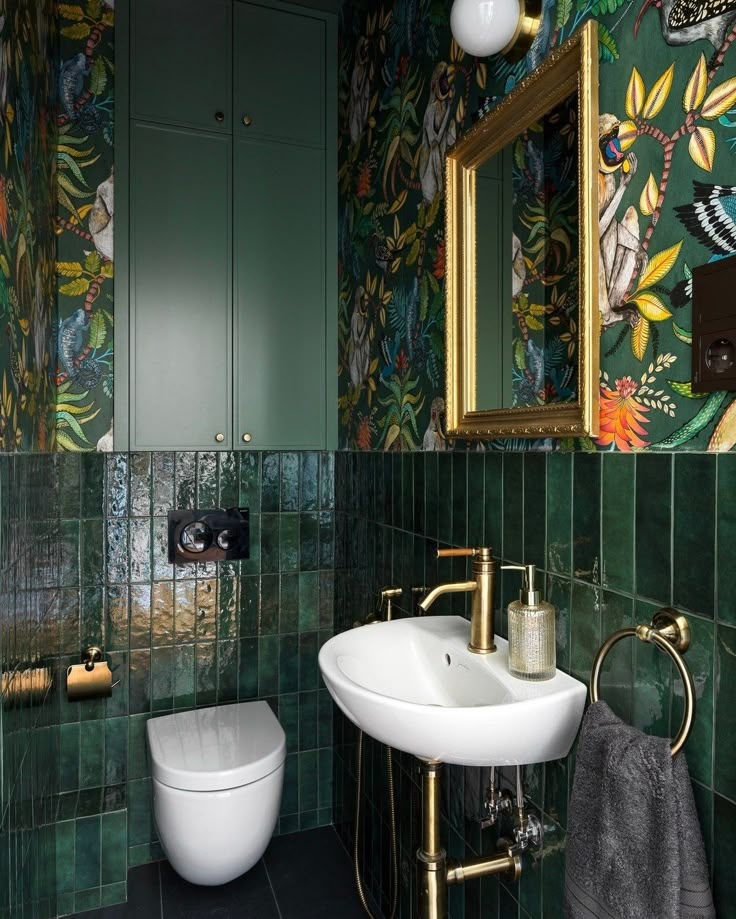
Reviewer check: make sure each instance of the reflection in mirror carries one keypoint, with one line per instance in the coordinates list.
(527, 266)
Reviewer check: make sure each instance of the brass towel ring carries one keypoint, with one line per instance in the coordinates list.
(671, 632)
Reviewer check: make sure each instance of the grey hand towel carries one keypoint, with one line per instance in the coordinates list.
(634, 847)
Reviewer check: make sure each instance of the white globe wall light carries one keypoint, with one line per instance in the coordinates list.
(486, 27)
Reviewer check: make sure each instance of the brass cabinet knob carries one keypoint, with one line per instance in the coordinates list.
(247, 438)
(247, 121)
(219, 117)
(219, 438)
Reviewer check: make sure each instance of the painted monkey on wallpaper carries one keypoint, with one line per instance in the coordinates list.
(360, 90)
(359, 347)
(438, 133)
(101, 222)
(435, 437)
(622, 256)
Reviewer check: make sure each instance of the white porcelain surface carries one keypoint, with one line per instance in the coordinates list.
(218, 774)
(413, 684)
(212, 837)
(210, 749)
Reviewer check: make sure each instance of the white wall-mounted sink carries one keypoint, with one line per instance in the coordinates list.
(413, 684)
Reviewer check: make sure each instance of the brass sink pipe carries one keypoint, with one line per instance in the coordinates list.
(435, 874)
(431, 856)
(484, 575)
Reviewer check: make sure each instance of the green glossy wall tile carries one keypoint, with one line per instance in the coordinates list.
(535, 519)
(512, 507)
(586, 517)
(726, 538)
(724, 775)
(653, 526)
(618, 498)
(694, 533)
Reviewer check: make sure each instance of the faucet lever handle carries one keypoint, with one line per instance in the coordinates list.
(464, 553)
(455, 553)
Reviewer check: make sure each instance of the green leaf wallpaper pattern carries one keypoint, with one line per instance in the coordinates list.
(667, 183)
(28, 64)
(84, 224)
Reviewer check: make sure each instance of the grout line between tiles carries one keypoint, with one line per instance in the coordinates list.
(273, 890)
(160, 891)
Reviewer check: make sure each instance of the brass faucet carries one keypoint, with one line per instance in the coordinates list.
(484, 574)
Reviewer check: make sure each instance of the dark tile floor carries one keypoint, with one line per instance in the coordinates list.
(302, 876)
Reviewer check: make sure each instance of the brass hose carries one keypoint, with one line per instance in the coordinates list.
(392, 821)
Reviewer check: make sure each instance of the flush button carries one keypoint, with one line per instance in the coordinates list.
(196, 537)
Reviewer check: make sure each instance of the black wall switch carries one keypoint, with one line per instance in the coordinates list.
(209, 536)
(714, 326)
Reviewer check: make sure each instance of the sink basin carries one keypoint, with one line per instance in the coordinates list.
(413, 684)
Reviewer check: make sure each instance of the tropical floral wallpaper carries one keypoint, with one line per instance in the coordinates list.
(28, 55)
(84, 225)
(667, 141)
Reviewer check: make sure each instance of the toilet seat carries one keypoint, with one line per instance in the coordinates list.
(216, 748)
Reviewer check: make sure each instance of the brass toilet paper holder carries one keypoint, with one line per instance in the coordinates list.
(92, 679)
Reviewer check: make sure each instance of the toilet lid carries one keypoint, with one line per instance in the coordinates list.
(211, 749)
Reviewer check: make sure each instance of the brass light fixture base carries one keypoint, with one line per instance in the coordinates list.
(530, 18)
(435, 872)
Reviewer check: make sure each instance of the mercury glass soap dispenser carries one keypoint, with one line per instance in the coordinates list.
(532, 654)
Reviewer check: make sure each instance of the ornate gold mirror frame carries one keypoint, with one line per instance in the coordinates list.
(570, 69)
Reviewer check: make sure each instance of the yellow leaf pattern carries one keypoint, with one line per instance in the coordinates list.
(702, 147)
(649, 195)
(720, 100)
(640, 338)
(696, 87)
(658, 94)
(634, 94)
(658, 267)
(651, 307)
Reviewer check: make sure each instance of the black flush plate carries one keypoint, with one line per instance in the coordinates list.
(209, 535)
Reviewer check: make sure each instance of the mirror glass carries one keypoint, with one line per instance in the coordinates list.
(527, 306)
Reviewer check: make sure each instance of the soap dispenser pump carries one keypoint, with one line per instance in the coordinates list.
(532, 649)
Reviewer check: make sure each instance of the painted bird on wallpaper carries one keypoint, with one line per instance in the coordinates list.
(711, 217)
(71, 339)
(437, 133)
(101, 218)
(435, 437)
(71, 82)
(686, 21)
(622, 255)
(359, 346)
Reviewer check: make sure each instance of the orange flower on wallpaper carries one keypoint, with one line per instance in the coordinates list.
(365, 426)
(623, 417)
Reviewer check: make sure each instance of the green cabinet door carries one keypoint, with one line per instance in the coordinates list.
(181, 62)
(279, 75)
(279, 232)
(180, 289)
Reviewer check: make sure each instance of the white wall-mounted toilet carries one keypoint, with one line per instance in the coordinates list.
(218, 774)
